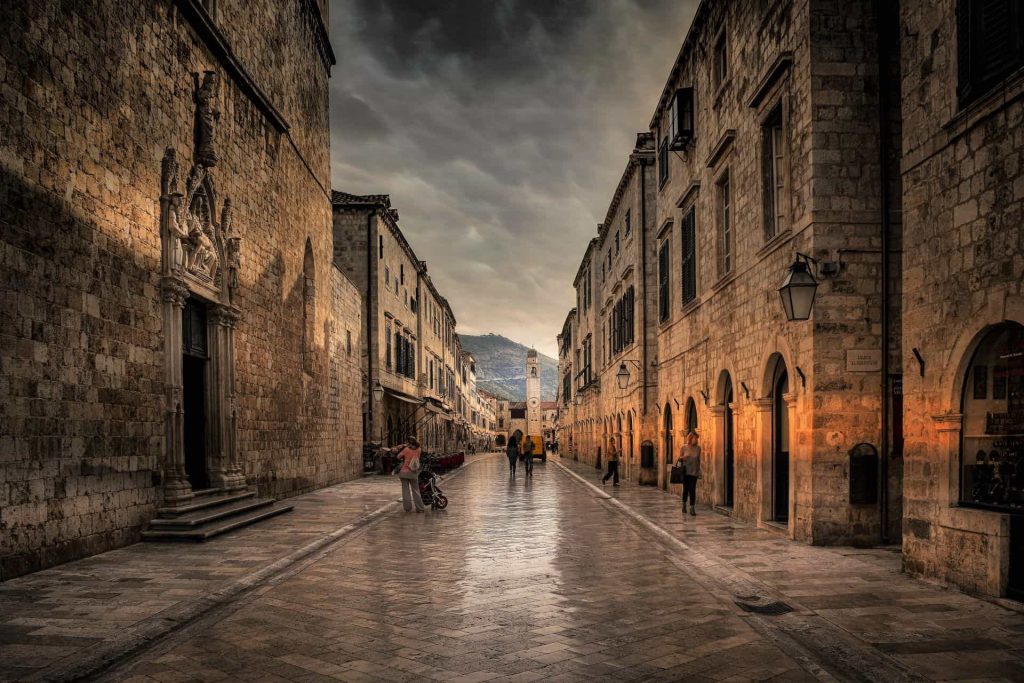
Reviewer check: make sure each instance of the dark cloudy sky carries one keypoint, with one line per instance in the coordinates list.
(499, 128)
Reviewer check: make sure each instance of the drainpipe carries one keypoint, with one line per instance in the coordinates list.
(371, 249)
(641, 162)
(883, 17)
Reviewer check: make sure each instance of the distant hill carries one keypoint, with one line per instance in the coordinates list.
(501, 367)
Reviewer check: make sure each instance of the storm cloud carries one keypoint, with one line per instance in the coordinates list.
(500, 129)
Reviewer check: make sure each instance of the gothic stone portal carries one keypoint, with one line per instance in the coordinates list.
(199, 268)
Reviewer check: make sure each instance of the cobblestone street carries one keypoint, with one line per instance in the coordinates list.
(549, 579)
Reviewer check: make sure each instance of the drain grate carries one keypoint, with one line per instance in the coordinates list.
(770, 608)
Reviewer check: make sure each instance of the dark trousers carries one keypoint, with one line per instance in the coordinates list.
(512, 465)
(689, 489)
(613, 471)
(528, 460)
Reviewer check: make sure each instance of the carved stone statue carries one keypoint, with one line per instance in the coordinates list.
(207, 117)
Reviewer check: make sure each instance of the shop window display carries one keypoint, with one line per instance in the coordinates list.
(992, 448)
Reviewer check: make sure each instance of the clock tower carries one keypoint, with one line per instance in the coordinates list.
(533, 413)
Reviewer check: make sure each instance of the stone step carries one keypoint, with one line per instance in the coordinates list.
(209, 514)
(218, 527)
(205, 499)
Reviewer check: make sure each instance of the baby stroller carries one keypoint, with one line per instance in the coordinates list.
(429, 490)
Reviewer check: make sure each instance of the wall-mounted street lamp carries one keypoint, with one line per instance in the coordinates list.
(579, 399)
(378, 391)
(622, 376)
(798, 289)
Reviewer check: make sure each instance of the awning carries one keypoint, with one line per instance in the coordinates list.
(402, 396)
(437, 410)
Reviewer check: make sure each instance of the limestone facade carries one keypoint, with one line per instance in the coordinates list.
(768, 145)
(417, 380)
(887, 147)
(963, 299)
(172, 321)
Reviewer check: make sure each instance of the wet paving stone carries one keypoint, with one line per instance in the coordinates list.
(518, 580)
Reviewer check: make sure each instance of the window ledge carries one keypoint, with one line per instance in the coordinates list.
(723, 282)
(691, 306)
(774, 243)
(988, 104)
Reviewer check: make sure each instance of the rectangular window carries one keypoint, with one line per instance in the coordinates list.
(627, 221)
(380, 246)
(773, 151)
(724, 226)
(348, 342)
(720, 63)
(680, 119)
(989, 45)
(663, 162)
(616, 242)
(689, 253)
(401, 270)
(663, 262)
(387, 278)
(387, 337)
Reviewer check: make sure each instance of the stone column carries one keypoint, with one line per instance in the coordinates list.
(176, 488)
(789, 400)
(763, 436)
(948, 426)
(224, 467)
(716, 466)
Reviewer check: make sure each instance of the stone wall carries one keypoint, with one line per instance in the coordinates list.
(963, 263)
(99, 92)
(812, 64)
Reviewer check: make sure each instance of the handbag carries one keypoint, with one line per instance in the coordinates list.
(414, 464)
(676, 474)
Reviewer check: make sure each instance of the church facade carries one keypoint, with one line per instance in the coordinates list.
(174, 328)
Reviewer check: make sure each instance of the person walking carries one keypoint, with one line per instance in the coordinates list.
(613, 466)
(689, 460)
(512, 453)
(409, 473)
(528, 455)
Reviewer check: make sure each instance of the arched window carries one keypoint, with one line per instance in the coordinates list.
(690, 420)
(992, 445)
(308, 307)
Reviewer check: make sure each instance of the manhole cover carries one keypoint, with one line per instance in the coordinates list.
(770, 608)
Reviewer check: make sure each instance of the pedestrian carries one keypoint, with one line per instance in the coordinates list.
(512, 453)
(409, 473)
(689, 460)
(528, 455)
(613, 466)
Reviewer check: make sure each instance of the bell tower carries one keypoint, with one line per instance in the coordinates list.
(533, 416)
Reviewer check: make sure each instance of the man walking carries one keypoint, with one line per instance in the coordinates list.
(528, 455)
(613, 466)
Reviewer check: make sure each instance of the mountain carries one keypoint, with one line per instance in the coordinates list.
(501, 367)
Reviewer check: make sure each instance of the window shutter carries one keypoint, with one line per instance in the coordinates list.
(998, 51)
(689, 256)
(963, 49)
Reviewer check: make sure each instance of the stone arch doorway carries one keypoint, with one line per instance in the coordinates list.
(667, 440)
(780, 441)
(991, 458)
(727, 437)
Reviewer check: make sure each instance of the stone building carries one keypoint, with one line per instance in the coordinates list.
(769, 148)
(749, 176)
(418, 381)
(613, 299)
(963, 298)
(883, 141)
(175, 334)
